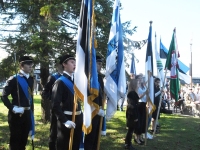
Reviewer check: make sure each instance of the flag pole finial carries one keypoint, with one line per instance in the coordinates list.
(175, 29)
(150, 22)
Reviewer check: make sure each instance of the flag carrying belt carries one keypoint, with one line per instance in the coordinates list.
(56, 75)
(70, 86)
(26, 89)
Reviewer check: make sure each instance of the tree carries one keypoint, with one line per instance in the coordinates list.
(48, 28)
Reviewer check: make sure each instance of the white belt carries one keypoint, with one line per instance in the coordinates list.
(25, 108)
(70, 112)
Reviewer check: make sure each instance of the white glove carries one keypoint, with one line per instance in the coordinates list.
(101, 112)
(18, 110)
(70, 124)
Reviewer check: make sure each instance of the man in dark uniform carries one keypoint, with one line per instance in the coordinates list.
(63, 103)
(157, 95)
(20, 87)
(91, 139)
(46, 94)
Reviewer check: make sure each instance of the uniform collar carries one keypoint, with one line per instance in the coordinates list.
(24, 74)
(72, 77)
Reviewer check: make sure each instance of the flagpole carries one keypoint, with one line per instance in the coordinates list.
(73, 120)
(147, 114)
(191, 63)
(100, 126)
(146, 125)
(154, 128)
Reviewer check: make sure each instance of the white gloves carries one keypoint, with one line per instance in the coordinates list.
(18, 110)
(70, 124)
(101, 113)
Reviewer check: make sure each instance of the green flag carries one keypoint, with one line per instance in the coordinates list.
(172, 65)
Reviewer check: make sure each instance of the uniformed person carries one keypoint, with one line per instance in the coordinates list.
(20, 87)
(63, 103)
(46, 94)
(157, 95)
(91, 139)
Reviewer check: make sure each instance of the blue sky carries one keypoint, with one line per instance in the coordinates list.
(166, 15)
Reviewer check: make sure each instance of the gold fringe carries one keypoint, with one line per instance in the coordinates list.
(78, 93)
(87, 130)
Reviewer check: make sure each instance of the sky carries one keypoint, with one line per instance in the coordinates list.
(166, 15)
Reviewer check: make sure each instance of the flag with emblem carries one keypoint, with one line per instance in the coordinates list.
(115, 84)
(172, 65)
(183, 69)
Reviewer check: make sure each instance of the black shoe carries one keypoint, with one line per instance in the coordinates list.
(157, 131)
(151, 131)
(138, 142)
(142, 141)
(158, 126)
(130, 147)
(127, 146)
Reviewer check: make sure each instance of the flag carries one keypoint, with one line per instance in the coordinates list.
(81, 146)
(159, 64)
(183, 69)
(133, 69)
(86, 84)
(115, 83)
(103, 129)
(172, 65)
(149, 71)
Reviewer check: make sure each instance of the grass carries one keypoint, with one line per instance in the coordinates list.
(177, 132)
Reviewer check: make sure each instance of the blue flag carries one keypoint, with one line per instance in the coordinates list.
(133, 69)
(115, 84)
(86, 85)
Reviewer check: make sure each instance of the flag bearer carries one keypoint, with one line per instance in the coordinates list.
(46, 94)
(63, 102)
(20, 108)
(91, 139)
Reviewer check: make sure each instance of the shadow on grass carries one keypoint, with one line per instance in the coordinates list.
(41, 132)
(177, 133)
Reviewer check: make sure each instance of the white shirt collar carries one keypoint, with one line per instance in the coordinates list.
(25, 74)
(72, 77)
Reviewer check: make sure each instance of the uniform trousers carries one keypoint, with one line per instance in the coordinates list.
(91, 139)
(53, 132)
(63, 133)
(19, 129)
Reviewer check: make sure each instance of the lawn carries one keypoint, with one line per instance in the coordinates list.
(177, 132)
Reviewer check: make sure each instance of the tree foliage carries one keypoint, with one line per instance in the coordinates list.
(48, 28)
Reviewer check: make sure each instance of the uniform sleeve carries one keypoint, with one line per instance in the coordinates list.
(47, 91)
(101, 93)
(57, 92)
(10, 83)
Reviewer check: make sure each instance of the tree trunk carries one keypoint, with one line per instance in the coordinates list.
(45, 103)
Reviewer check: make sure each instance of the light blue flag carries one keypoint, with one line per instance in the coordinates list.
(183, 69)
(163, 55)
(115, 84)
(133, 69)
